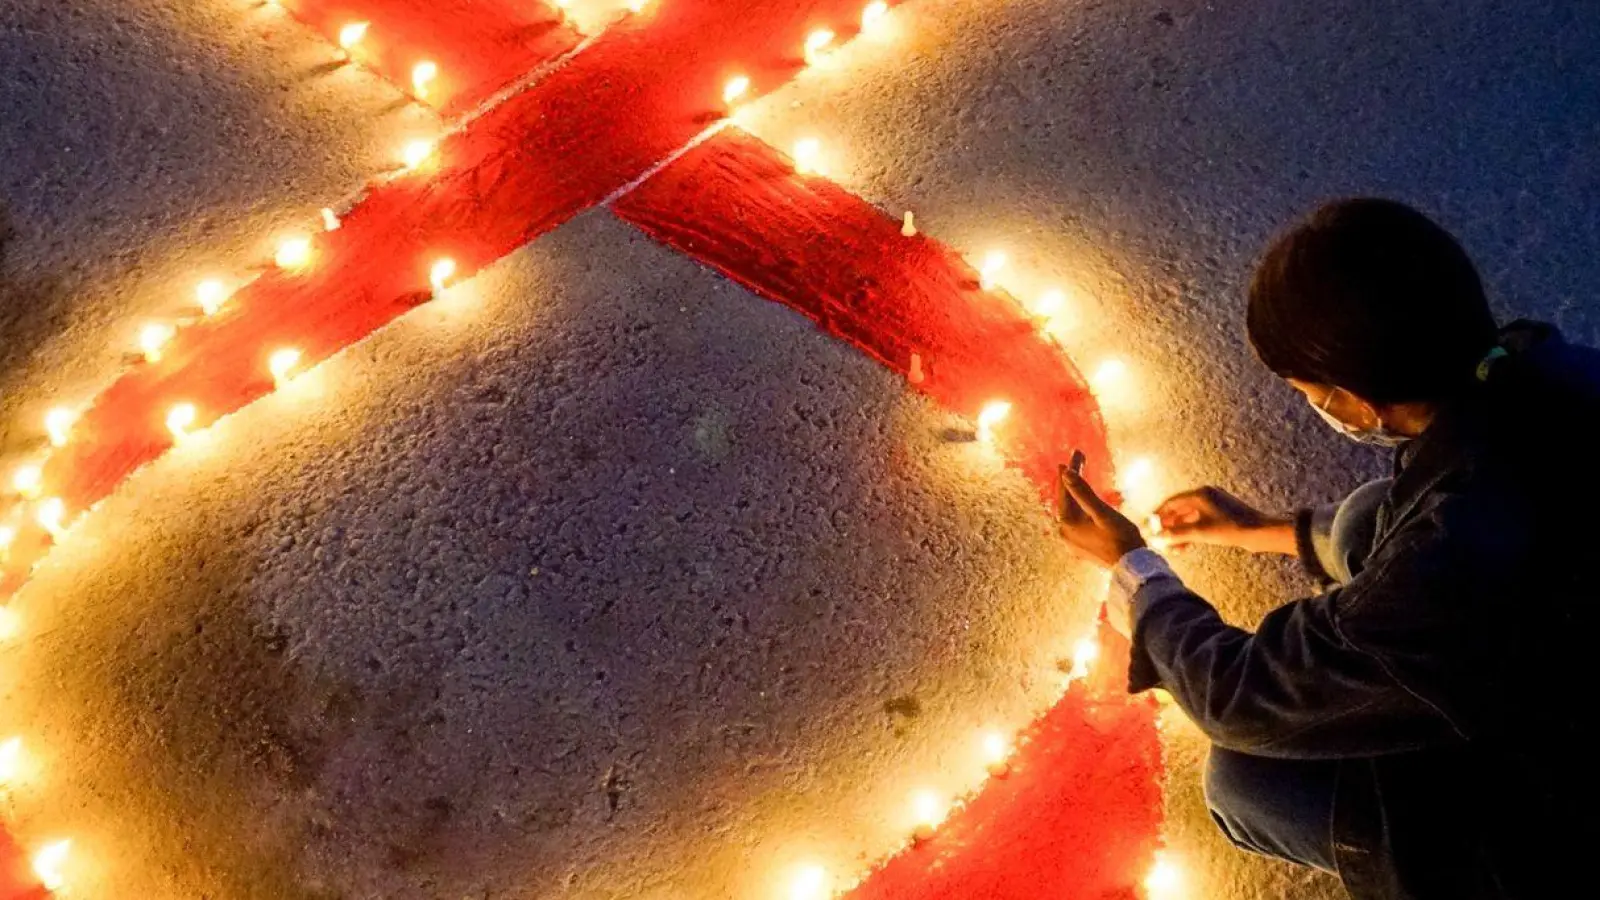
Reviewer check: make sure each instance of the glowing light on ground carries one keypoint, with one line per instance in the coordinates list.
(735, 88)
(440, 273)
(58, 425)
(351, 35)
(282, 364)
(810, 882)
(152, 338)
(993, 413)
(1165, 881)
(293, 253)
(422, 75)
(872, 16)
(415, 153)
(993, 262)
(49, 863)
(808, 156)
(180, 419)
(27, 479)
(211, 294)
(51, 515)
(817, 43)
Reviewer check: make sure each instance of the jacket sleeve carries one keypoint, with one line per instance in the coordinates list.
(1321, 678)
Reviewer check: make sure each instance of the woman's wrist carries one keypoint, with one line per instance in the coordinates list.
(1271, 536)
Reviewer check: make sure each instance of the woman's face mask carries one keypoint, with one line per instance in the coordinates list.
(1378, 435)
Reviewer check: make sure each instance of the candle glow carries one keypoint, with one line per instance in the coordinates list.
(422, 75)
(152, 338)
(293, 253)
(330, 220)
(58, 425)
(1165, 881)
(180, 419)
(10, 760)
(873, 15)
(440, 274)
(816, 44)
(211, 294)
(48, 862)
(810, 882)
(735, 88)
(807, 156)
(415, 153)
(50, 516)
(993, 413)
(281, 364)
(351, 35)
(27, 480)
(993, 262)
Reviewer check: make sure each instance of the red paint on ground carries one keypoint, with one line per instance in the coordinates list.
(1081, 814)
(735, 204)
(1076, 818)
(17, 881)
(479, 46)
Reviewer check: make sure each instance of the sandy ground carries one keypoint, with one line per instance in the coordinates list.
(604, 578)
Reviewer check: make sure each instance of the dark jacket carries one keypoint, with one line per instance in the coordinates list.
(1449, 675)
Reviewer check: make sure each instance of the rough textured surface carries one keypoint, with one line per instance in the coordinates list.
(1139, 151)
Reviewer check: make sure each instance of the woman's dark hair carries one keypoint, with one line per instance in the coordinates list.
(1373, 297)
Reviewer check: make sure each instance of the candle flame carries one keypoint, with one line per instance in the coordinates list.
(293, 253)
(27, 480)
(810, 882)
(58, 424)
(47, 864)
(351, 34)
(211, 293)
(808, 156)
(152, 338)
(50, 515)
(735, 88)
(993, 413)
(281, 364)
(422, 75)
(180, 419)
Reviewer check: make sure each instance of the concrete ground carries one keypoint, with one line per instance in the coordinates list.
(603, 578)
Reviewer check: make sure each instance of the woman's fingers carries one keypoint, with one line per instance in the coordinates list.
(1084, 496)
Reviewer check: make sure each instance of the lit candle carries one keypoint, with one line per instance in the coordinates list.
(27, 480)
(211, 294)
(58, 424)
(180, 419)
(293, 253)
(816, 44)
(1109, 375)
(152, 338)
(415, 153)
(52, 512)
(351, 35)
(1050, 304)
(330, 220)
(10, 760)
(441, 273)
(810, 882)
(872, 16)
(808, 156)
(996, 750)
(908, 225)
(735, 88)
(993, 262)
(422, 75)
(928, 810)
(1084, 653)
(8, 534)
(10, 624)
(1165, 881)
(281, 364)
(48, 863)
(993, 413)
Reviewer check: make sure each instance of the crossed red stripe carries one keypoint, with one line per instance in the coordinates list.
(1080, 815)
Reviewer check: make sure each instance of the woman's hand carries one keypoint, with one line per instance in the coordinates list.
(1211, 515)
(1090, 525)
